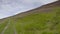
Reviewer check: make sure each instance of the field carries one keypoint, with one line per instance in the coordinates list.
(36, 23)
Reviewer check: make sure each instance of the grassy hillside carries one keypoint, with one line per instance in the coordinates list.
(44, 21)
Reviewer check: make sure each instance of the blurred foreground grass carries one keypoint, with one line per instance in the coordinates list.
(36, 23)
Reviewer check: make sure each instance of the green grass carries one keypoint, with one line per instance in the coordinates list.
(2, 26)
(10, 29)
(36, 23)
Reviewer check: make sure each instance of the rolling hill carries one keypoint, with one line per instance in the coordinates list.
(42, 20)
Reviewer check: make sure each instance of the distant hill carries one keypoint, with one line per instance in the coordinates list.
(42, 20)
(42, 8)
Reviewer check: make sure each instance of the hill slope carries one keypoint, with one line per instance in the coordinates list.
(42, 20)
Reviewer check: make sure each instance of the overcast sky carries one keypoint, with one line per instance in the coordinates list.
(13, 7)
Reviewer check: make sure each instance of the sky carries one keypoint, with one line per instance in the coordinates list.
(12, 7)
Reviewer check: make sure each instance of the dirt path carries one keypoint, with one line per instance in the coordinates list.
(5, 28)
(15, 32)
